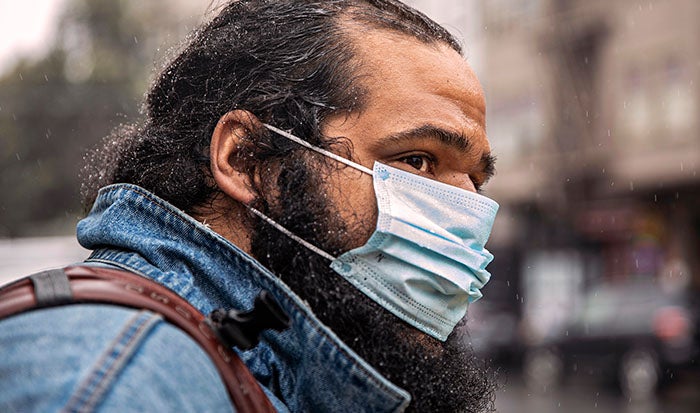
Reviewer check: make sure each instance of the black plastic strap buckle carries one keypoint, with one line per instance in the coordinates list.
(51, 288)
(242, 329)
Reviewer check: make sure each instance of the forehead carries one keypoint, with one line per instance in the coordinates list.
(411, 83)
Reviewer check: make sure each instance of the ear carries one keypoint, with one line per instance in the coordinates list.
(227, 140)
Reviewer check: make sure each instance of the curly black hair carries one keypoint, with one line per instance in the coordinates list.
(289, 62)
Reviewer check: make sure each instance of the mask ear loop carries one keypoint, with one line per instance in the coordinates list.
(319, 150)
(284, 230)
(291, 235)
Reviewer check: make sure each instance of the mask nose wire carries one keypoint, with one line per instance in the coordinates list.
(319, 150)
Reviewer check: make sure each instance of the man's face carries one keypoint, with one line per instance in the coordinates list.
(424, 114)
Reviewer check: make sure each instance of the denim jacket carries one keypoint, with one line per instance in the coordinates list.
(110, 358)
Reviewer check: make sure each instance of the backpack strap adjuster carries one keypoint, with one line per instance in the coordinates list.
(51, 288)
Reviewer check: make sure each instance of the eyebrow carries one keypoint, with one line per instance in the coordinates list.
(489, 162)
(449, 138)
(452, 139)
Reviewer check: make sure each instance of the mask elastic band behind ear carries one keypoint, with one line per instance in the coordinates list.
(319, 150)
(291, 235)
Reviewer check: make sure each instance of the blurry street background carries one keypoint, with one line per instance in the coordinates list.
(593, 113)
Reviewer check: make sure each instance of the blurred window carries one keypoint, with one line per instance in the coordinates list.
(624, 308)
(506, 16)
(515, 128)
(660, 100)
(679, 106)
(636, 113)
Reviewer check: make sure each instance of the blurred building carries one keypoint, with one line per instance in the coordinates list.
(593, 114)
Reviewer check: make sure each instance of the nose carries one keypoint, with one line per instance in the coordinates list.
(460, 180)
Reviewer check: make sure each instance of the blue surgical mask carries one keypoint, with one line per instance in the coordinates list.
(425, 261)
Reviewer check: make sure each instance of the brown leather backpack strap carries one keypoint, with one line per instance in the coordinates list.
(105, 285)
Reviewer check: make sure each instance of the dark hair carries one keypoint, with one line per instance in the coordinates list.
(288, 62)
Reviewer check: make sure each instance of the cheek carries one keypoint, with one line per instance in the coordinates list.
(352, 194)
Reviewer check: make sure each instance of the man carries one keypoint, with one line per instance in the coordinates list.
(368, 231)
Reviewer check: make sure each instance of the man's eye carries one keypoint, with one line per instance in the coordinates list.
(419, 162)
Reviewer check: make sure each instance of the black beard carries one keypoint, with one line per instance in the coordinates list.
(441, 377)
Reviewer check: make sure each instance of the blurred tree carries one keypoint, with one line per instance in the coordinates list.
(54, 109)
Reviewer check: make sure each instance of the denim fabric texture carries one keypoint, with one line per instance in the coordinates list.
(111, 358)
(82, 358)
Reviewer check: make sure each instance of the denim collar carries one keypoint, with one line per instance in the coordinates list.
(307, 368)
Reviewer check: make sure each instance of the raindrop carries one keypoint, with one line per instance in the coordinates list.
(136, 41)
(18, 158)
(631, 186)
(46, 78)
(21, 77)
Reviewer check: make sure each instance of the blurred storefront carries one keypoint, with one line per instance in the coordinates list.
(593, 115)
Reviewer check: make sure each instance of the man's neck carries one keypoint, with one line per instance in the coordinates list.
(227, 218)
